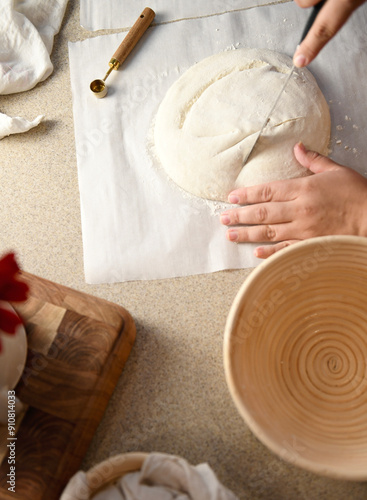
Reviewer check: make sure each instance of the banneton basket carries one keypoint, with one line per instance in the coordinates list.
(295, 355)
(109, 472)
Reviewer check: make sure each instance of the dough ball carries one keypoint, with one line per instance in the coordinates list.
(211, 115)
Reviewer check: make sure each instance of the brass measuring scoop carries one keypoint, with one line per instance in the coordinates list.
(98, 87)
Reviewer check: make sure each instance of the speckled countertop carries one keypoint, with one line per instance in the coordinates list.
(172, 395)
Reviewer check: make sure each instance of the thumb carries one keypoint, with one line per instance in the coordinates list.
(328, 22)
(313, 161)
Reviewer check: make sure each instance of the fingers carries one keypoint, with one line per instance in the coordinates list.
(312, 160)
(285, 190)
(265, 252)
(268, 233)
(260, 222)
(328, 22)
(306, 3)
(261, 213)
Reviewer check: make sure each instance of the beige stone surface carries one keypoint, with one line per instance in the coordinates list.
(172, 396)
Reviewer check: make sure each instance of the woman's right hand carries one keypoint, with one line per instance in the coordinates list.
(328, 22)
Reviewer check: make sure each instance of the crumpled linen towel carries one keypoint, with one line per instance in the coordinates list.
(27, 30)
(15, 125)
(162, 477)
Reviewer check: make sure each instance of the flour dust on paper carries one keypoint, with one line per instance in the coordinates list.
(211, 116)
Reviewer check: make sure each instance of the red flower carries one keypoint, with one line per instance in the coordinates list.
(11, 289)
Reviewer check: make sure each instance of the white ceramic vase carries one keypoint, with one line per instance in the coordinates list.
(12, 361)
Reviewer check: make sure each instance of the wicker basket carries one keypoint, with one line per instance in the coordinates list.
(295, 354)
(105, 474)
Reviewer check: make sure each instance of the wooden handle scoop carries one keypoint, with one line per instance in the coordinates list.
(98, 87)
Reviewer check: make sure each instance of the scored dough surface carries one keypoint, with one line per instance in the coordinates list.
(209, 119)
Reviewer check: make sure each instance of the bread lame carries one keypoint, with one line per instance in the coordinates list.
(310, 21)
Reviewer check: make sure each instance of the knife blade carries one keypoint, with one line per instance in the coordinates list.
(310, 21)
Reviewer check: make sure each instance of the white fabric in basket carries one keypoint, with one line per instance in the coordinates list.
(162, 477)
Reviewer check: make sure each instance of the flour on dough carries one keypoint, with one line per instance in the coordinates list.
(210, 117)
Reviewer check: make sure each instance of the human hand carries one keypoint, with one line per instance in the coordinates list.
(328, 22)
(333, 201)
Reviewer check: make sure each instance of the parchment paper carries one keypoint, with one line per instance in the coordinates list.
(123, 13)
(136, 223)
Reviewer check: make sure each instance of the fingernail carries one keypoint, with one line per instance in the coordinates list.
(259, 252)
(232, 235)
(224, 218)
(300, 146)
(233, 198)
(300, 60)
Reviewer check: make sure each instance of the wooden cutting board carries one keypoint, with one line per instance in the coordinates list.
(78, 345)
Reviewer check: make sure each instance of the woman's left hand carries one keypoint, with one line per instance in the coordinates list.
(333, 201)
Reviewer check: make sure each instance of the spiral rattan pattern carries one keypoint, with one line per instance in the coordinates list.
(295, 354)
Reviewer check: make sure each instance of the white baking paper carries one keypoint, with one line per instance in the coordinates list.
(136, 223)
(123, 13)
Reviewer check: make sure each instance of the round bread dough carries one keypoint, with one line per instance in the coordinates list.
(211, 115)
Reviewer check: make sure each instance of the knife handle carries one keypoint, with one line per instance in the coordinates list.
(315, 10)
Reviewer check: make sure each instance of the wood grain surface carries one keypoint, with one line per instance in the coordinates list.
(77, 347)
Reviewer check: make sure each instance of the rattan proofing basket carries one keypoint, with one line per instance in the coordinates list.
(108, 472)
(295, 355)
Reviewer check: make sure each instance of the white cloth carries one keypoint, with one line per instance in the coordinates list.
(123, 13)
(15, 125)
(27, 30)
(135, 223)
(162, 477)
